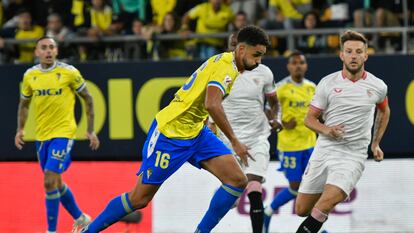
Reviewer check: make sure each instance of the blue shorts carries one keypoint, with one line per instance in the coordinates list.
(54, 154)
(162, 156)
(293, 163)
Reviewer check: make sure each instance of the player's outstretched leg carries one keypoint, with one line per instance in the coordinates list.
(228, 171)
(122, 205)
(281, 198)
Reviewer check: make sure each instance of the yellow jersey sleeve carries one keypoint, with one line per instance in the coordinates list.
(223, 75)
(26, 90)
(78, 82)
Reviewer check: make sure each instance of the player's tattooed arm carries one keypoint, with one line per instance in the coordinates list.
(90, 113)
(22, 113)
(381, 122)
(87, 97)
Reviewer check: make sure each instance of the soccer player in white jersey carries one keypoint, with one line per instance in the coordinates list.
(347, 101)
(244, 108)
(295, 142)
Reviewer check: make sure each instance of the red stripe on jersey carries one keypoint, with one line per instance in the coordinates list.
(383, 104)
(364, 76)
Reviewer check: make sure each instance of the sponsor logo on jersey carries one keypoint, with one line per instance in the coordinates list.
(58, 154)
(47, 92)
(370, 92)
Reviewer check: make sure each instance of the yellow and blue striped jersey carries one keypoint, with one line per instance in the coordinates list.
(184, 117)
(53, 93)
(294, 99)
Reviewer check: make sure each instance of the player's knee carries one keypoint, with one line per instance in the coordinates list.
(254, 186)
(240, 181)
(49, 183)
(302, 210)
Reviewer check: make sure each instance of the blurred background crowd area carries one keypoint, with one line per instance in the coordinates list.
(130, 30)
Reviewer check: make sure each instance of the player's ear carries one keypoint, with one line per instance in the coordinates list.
(36, 51)
(341, 55)
(241, 47)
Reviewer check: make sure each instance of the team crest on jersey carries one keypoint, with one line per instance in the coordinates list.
(370, 92)
(149, 173)
(338, 90)
(34, 78)
(78, 79)
(58, 76)
(227, 80)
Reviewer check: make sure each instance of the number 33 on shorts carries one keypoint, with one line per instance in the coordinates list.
(289, 162)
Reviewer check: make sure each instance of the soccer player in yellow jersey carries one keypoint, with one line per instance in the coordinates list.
(295, 142)
(52, 86)
(178, 134)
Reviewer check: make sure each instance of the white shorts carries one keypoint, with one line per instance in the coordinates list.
(331, 167)
(260, 152)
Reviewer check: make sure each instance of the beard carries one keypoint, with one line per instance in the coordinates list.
(353, 70)
(249, 67)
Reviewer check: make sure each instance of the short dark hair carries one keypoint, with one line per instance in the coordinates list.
(294, 54)
(253, 35)
(45, 37)
(241, 13)
(353, 35)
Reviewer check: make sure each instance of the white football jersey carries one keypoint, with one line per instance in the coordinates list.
(244, 107)
(352, 104)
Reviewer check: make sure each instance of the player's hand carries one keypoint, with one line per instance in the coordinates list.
(277, 126)
(336, 132)
(377, 152)
(242, 151)
(18, 139)
(289, 124)
(94, 141)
